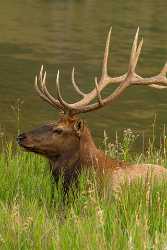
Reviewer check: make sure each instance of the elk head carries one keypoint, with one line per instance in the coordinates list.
(65, 136)
(54, 139)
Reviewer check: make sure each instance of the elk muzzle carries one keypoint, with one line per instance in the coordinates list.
(22, 140)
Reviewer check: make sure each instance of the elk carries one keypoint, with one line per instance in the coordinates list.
(68, 144)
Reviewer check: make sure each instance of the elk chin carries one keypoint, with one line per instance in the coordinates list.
(29, 148)
(42, 152)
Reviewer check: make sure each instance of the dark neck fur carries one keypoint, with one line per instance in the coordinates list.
(67, 166)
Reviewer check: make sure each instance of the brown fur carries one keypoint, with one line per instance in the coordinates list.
(69, 146)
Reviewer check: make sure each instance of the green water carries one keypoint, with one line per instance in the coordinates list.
(60, 34)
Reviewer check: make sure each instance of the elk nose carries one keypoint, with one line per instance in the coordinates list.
(20, 137)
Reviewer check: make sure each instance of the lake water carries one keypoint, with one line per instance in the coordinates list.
(60, 34)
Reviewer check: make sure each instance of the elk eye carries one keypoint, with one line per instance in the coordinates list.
(57, 130)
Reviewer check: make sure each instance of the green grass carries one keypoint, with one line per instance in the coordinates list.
(31, 218)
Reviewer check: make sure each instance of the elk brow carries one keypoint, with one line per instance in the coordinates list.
(58, 130)
(41, 130)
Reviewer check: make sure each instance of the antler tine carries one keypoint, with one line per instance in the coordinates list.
(58, 88)
(164, 70)
(43, 86)
(133, 53)
(65, 105)
(41, 73)
(138, 53)
(37, 88)
(98, 93)
(106, 53)
(74, 83)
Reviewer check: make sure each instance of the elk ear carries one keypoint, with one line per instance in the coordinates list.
(79, 127)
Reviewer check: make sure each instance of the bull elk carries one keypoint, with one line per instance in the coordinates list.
(68, 143)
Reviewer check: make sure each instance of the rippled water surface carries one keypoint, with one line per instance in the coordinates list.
(60, 34)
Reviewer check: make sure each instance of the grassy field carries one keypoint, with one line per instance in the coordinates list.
(31, 218)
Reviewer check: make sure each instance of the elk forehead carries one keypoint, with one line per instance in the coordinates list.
(67, 121)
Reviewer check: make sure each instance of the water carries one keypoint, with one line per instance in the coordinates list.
(60, 34)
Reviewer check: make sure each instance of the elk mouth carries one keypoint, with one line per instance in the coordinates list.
(26, 147)
(30, 148)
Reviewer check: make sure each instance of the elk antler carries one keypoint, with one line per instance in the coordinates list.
(130, 78)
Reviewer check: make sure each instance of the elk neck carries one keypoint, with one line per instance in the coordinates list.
(90, 155)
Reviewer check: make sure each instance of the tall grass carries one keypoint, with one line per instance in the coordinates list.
(31, 217)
